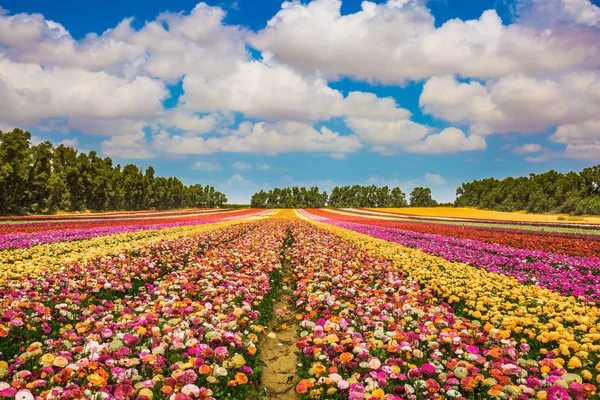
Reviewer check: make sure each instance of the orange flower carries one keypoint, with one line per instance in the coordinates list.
(303, 386)
(495, 352)
(205, 369)
(241, 378)
(495, 390)
(166, 390)
(96, 379)
(346, 357)
(251, 350)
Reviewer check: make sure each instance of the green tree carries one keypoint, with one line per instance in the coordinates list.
(421, 197)
(15, 161)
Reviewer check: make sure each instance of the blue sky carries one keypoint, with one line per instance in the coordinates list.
(247, 94)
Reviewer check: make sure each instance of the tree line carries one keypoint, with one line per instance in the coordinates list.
(570, 193)
(43, 178)
(341, 197)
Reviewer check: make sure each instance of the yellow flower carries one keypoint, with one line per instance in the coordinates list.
(60, 362)
(378, 394)
(318, 369)
(96, 379)
(238, 360)
(47, 359)
(574, 362)
(146, 393)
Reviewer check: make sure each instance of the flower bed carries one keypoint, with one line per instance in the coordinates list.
(369, 332)
(567, 275)
(190, 330)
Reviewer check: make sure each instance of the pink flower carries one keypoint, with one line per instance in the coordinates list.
(556, 392)
(427, 369)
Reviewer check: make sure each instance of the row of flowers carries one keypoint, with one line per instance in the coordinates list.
(81, 231)
(564, 274)
(36, 308)
(36, 260)
(585, 243)
(548, 322)
(190, 331)
(369, 332)
(97, 216)
(586, 226)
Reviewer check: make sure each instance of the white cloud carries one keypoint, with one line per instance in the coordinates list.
(544, 13)
(539, 72)
(242, 166)
(128, 146)
(516, 103)
(387, 136)
(434, 179)
(29, 93)
(263, 138)
(528, 148)
(450, 140)
(207, 166)
(70, 142)
(582, 139)
(168, 47)
(264, 167)
(272, 91)
(239, 189)
(398, 40)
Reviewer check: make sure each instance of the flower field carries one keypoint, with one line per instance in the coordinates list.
(180, 306)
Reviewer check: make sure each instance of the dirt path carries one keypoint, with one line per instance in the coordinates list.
(278, 353)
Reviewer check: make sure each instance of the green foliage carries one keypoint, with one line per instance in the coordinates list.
(366, 196)
(42, 178)
(421, 197)
(570, 193)
(289, 198)
(341, 197)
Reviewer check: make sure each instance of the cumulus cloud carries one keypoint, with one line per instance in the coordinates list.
(273, 91)
(131, 146)
(261, 137)
(536, 73)
(29, 93)
(450, 140)
(516, 103)
(398, 40)
(242, 166)
(582, 139)
(207, 166)
(434, 179)
(528, 148)
(168, 47)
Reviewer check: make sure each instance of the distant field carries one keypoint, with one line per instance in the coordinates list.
(450, 212)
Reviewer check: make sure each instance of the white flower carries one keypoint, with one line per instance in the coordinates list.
(23, 395)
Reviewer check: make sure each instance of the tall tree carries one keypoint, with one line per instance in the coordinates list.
(15, 162)
(421, 197)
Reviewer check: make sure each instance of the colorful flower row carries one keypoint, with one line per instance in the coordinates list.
(587, 226)
(547, 321)
(20, 235)
(567, 275)
(36, 260)
(56, 296)
(580, 245)
(190, 332)
(369, 332)
(589, 229)
(106, 215)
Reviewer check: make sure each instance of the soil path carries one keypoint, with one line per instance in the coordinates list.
(278, 353)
